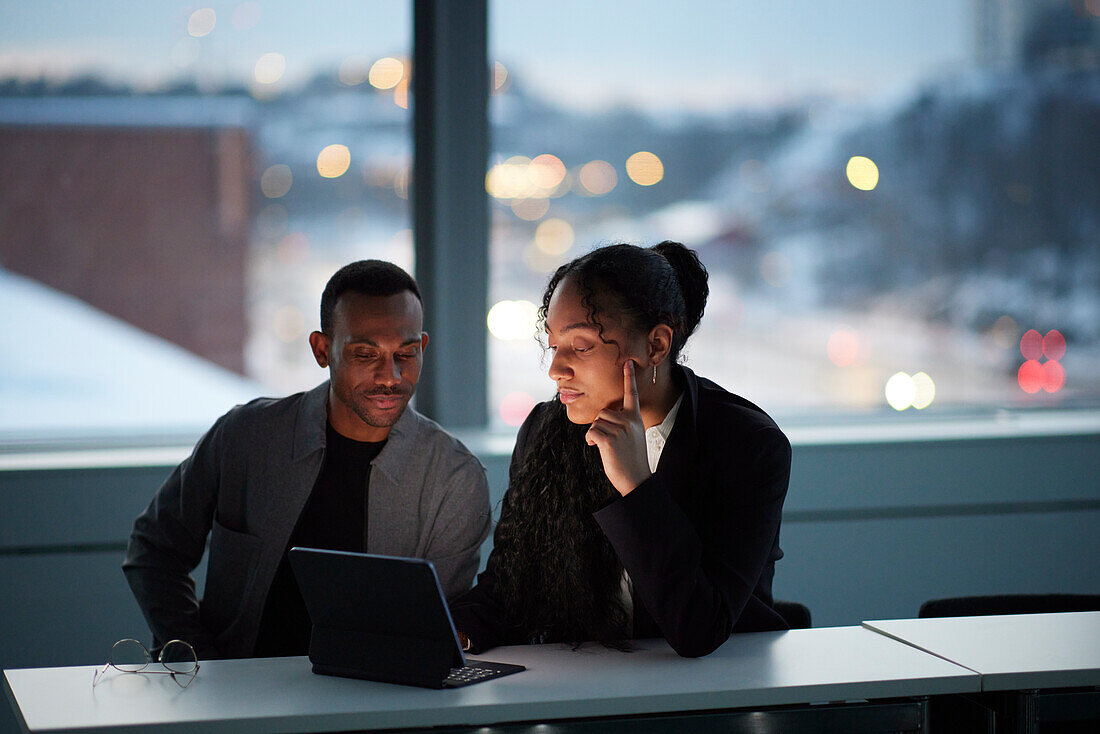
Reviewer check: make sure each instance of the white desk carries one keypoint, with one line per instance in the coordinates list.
(283, 695)
(1010, 652)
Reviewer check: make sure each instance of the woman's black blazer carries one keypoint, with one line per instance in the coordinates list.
(699, 538)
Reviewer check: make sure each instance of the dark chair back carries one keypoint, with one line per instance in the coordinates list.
(975, 606)
(797, 616)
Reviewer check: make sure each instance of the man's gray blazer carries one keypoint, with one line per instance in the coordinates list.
(245, 485)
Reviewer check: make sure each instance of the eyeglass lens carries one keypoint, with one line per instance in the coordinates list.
(130, 656)
(179, 657)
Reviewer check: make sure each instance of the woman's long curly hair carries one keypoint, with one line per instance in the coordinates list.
(557, 571)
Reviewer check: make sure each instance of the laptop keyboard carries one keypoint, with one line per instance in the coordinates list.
(470, 674)
(478, 670)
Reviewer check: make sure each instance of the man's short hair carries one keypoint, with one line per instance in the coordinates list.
(368, 277)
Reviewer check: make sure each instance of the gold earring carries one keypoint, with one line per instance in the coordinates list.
(654, 374)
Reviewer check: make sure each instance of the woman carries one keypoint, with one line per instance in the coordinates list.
(644, 501)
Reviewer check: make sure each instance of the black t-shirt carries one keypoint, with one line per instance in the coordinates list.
(334, 518)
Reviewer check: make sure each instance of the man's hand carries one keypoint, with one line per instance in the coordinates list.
(620, 436)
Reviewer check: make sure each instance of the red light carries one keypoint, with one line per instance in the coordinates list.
(1054, 345)
(515, 407)
(1031, 344)
(1031, 376)
(1054, 376)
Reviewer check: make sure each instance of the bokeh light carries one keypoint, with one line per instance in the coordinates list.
(386, 73)
(401, 94)
(1031, 376)
(546, 171)
(201, 22)
(1054, 376)
(294, 248)
(554, 236)
(1031, 345)
(354, 70)
(289, 324)
(775, 269)
(515, 407)
(500, 77)
(1054, 345)
(333, 161)
(276, 181)
(645, 168)
(272, 221)
(530, 210)
(862, 173)
(598, 177)
(512, 320)
(900, 391)
(269, 68)
(924, 390)
(843, 347)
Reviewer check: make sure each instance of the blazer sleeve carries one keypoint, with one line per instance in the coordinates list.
(481, 613)
(167, 542)
(696, 578)
(461, 526)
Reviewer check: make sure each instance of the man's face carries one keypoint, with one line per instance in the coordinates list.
(374, 355)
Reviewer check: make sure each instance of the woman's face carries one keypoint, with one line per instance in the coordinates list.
(588, 371)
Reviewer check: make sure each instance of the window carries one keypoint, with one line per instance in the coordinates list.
(897, 202)
(179, 183)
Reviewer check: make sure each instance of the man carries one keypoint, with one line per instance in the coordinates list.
(345, 466)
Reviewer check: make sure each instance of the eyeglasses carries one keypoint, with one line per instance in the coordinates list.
(130, 656)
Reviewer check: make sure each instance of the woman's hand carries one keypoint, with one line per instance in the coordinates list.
(620, 436)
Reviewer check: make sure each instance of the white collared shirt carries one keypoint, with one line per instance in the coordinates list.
(655, 439)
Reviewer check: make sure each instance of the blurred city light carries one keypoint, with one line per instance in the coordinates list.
(546, 171)
(775, 269)
(276, 181)
(354, 70)
(515, 407)
(333, 161)
(598, 177)
(401, 94)
(289, 324)
(924, 390)
(843, 347)
(512, 320)
(269, 68)
(530, 210)
(1031, 376)
(900, 391)
(201, 22)
(386, 73)
(1054, 345)
(554, 236)
(1054, 376)
(862, 173)
(294, 248)
(1031, 345)
(645, 168)
(500, 77)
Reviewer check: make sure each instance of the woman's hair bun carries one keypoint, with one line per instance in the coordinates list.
(693, 280)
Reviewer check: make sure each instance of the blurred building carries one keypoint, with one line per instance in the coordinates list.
(1010, 33)
(129, 216)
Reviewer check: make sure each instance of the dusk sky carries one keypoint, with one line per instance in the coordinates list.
(693, 54)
